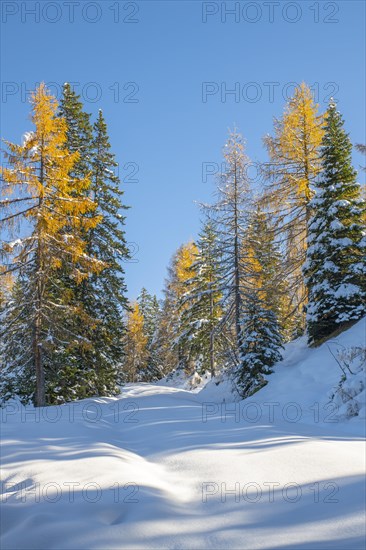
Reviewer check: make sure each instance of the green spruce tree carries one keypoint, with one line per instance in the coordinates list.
(79, 130)
(93, 365)
(150, 311)
(74, 378)
(104, 295)
(262, 335)
(335, 267)
(51, 205)
(200, 304)
(261, 348)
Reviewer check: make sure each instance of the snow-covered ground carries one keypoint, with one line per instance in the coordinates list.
(162, 467)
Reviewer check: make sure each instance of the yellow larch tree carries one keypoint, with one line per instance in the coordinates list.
(51, 212)
(294, 164)
(171, 352)
(183, 271)
(135, 345)
(266, 272)
(184, 260)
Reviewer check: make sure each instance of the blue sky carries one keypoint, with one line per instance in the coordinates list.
(146, 64)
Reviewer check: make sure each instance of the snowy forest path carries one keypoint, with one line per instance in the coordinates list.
(160, 467)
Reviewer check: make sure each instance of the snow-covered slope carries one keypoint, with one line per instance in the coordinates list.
(307, 377)
(162, 467)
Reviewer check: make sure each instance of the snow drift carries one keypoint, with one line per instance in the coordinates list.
(162, 467)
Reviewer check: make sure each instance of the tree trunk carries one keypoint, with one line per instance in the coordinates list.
(40, 397)
(212, 339)
(236, 266)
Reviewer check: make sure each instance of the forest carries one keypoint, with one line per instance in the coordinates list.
(271, 262)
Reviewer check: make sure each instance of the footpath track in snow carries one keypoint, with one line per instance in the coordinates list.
(166, 468)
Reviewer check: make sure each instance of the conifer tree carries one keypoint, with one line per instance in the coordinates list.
(173, 352)
(265, 265)
(335, 268)
(151, 311)
(165, 349)
(75, 378)
(201, 307)
(230, 217)
(103, 295)
(294, 165)
(135, 345)
(43, 198)
(184, 271)
(261, 346)
(262, 338)
(149, 307)
(79, 132)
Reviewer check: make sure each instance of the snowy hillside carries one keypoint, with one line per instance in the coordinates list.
(308, 377)
(162, 467)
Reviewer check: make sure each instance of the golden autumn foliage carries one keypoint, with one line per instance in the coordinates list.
(180, 272)
(294, 164)
(136, 353)
(51, 211)
(185, 258)
(135, 326)
(266, 271)
(294, 150)
(38, 180)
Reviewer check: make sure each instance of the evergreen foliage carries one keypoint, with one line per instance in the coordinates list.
(151, 312)
(200, 305)
(293, 167)
(55, 212)
(230, 299)
(262, 337)
(335, 268)
(96, 365)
